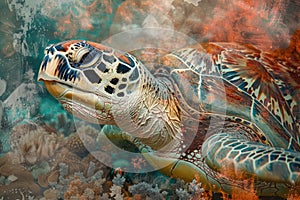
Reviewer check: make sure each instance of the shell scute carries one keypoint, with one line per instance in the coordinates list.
(269, 86)
(262, 77)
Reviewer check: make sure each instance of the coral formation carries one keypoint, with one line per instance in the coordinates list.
(83, 140)
(61, 122)
(92, 185)
(76, 145)
(17, 182)
(33, 144)
(70, 185)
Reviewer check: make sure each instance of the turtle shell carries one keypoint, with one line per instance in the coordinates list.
(250, 86)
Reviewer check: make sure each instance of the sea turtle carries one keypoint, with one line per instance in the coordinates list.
(253, 143)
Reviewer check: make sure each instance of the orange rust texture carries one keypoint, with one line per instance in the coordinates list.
(266, 24)
(77, 19)
(238, 195)
(256, 22)
(292, 52)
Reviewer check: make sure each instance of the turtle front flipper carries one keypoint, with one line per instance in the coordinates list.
(212, 180)
(173, 166)
(235, 156)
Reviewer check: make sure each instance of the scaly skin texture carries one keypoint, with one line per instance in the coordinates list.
(228, 112)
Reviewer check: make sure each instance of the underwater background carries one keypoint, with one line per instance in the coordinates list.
(43, 149)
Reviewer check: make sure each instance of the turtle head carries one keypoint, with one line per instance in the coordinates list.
(89, 78)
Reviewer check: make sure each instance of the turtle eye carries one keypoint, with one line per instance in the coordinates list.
(83, 56)
(77, 54)
(89, 59)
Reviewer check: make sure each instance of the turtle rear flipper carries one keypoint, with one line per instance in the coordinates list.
(212, 180)
(242, 158)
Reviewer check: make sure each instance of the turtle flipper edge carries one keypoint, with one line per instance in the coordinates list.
(266, 163)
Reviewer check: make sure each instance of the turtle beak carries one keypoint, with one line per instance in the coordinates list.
(47, 73)
(54, 59)
(42, 71)
(49, 52)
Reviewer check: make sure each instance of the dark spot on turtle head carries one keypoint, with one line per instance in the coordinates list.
(102, 67)
(122, 69)
(60, 48)
(109, 89)
(109, 59)
(45, 62)
(114, 81)
(121, 94)
(124, 79)
(50, 50)
(134, 75)
(122, 86)
(63, 70)
(92, 76)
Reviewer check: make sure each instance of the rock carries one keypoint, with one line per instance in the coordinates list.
(12, 178)
(50, 194)
(2, 86)
(22, 103)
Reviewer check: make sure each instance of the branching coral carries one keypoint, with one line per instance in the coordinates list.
(144, 190)
(62, 123)
(77, 184)
(65, 164)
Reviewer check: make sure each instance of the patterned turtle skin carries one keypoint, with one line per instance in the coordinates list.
(253, 142)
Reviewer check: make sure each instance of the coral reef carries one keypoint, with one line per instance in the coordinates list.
(70, 170)
(17, 182)
(70, 185)
(33, 144)
(292, 52)
(83, 140)
(61, 122)
(93, 184)
(61, 167)
(76, 145)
